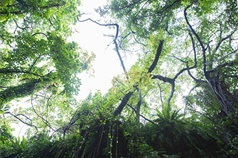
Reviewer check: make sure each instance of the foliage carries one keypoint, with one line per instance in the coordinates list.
(186, 50)
(38, 62)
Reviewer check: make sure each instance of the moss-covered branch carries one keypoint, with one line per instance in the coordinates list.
(25, 89)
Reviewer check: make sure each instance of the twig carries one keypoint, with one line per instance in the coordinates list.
(141, 114)
(114, 41)
(18, 118)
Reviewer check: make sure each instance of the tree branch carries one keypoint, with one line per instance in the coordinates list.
(123, 103)
(11, 71)
(162, 78)
(223, 39)
(157, 55)
(114, 41)
(223, 65)
(24, 122)
(41, 117)
(138, 106)
(24, 89)
(194, 58)
(25, 5)
(171, 93)
(142, 115)
(199, 41)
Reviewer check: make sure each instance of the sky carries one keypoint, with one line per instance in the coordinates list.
(91, 37)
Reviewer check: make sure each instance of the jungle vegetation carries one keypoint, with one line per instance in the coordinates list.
(180, 99)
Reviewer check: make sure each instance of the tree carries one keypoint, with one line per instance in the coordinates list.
(187, 50)
(34, 55)
(37, 61)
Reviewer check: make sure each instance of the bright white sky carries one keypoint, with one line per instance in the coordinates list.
(91, 37)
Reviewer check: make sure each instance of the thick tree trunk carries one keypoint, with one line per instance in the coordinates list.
(24, 89)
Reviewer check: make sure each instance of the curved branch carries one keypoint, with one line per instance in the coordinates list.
(171, 93)
(157, 55)
(168, 80)
(223, 39)
(24, 122)
(115, 25)
(223, 65)
(114, 41)
(194, 58)
(162, 78)
(142, 115)
(199, 41)
(41, 117)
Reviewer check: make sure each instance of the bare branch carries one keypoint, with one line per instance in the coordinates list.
(194, 51)
(223, 65)
(162, 78)
(199, 41)
(138, 106)
(223, 39)
(170, 81)
(171, 93)
(17, 116)
(181, 60)
(157, 55)
(115, 25)
(120, 58)
(34, 62)
(114, 41)
(123, 103)
(141, 115)
(41, 117)
(160, 93)
(194, 58)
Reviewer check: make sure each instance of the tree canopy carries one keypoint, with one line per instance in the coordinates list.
(179, 99)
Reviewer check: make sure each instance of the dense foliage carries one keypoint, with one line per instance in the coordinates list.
(180, 99)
